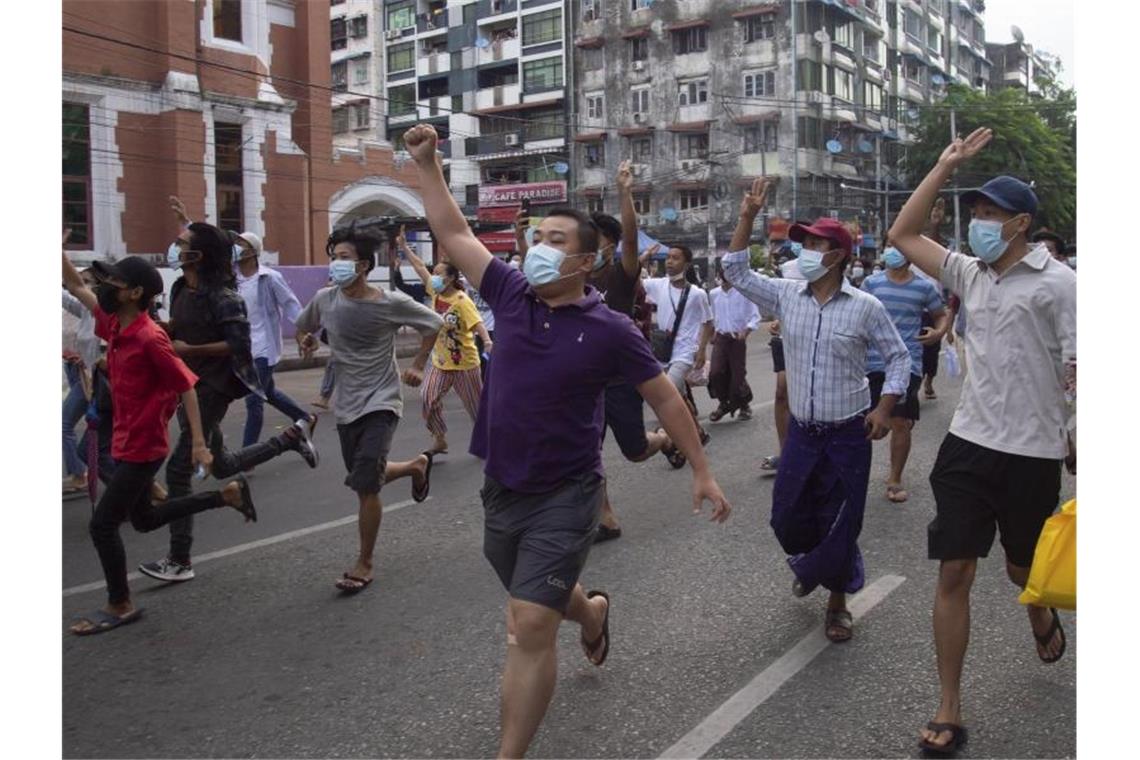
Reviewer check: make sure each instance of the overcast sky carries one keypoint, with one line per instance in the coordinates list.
(1047, 24)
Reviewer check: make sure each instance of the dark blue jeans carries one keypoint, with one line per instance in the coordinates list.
(255, 407)
(73, 408)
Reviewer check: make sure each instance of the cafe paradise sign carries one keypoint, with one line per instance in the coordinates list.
(513, 195)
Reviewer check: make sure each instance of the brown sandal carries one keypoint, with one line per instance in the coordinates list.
(838, 620)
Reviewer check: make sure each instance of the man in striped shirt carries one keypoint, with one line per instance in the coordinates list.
(907, 298)
(827, 325)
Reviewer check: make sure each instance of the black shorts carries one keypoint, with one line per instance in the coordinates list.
(777, 346)
(907, 406)
(977, 489)
(538, 543)
(364, 444)
(625, 417)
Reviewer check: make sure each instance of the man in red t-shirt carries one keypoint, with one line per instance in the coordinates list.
(148, 381)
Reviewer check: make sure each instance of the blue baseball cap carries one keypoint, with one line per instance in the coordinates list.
(1005, 192)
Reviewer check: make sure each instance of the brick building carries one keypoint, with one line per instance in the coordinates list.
(224, 103)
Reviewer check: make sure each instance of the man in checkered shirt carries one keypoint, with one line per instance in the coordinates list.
(827, 326)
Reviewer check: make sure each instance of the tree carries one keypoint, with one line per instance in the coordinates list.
(1034, 140)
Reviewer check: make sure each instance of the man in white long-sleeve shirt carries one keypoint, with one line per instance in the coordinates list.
(734, 317)
(828, 325)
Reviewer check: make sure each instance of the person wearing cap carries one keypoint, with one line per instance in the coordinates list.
(267, 298)
(210, 332)
(148, 381)
(828, 326)
(1054, 242)
(999, 467)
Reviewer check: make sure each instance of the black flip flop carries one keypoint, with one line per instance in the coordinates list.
(421, 494)
(839, 619)
(958, 737)
(246, 507)
(675, 458)
(591, 646)
(605, 533)
(104, 621)
(350, 590)
(1045, 638)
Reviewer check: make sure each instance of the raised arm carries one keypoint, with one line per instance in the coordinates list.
(522, 223)
(749, 207)
(74, 283)
(179, 209)
(906, 232)
(447, 223)
(629, 260)
(416, 262)
(736, 264)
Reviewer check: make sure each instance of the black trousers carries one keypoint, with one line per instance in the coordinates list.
(727, 372)
(212, 406)
(128, 495)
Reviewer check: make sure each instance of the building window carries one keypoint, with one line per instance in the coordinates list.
(641, 100)
(760, 84)
(642, 150)
(641, 204)
(227, 19)
(340, 120)
(544, 125)
(844, 36)
(692, 200)
(809, 133)
(871, 47)
(637, 5)
(402, 100)
(873, 97)
(595, 205)
(545, 74)
(592, 59)
(595, 107)
(591, 10)
(401, 57)
(340, 76)
(358, 27)
(338, 31)
(912, 25)
(361, 115)
(693, 92)
(596, 154)
(842, 84)
(694, 145)
(809, 76)
(912, 70)
(402, 16)
(639, 49)
(77, 174)
(933, 38)
(762, 27)
(539, 28)
(360, 71)
(693, 40)
(761, 138)
(228, 175)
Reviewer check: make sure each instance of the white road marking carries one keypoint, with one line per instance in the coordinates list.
(740, 705)
(261, 542)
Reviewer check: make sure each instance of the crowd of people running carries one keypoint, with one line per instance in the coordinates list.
(574, 332)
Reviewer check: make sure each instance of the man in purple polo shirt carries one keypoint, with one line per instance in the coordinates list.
(557, 346)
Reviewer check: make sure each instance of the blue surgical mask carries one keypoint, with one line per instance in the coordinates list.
(237, 253)
(811, 264)
(986, 241)
(342, 272)
(893, 258)
(436, 283)
(543, 264)
(173, 257)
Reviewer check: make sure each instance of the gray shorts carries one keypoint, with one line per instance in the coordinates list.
(364, 444)
(538, 543)
(677, 372)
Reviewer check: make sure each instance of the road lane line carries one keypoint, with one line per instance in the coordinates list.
(261, 542)
(740, 705)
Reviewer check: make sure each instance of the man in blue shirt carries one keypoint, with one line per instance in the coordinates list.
(907, 299)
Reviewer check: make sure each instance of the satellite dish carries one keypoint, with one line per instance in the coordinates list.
(821, 37)
(1018, 35)
(561, 167)
(865, 146)
(834, 146)
(912, 113)
(669, 214)
(937, 80)
(482, 42)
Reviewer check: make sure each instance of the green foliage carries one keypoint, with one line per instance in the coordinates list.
(757, 257)
(1034, 140)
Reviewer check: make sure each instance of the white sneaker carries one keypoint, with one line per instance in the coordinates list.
(168, 570)
(305, 445)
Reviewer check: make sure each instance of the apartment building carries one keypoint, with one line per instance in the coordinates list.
(1017, 64)
(223, 103)
(705, 95)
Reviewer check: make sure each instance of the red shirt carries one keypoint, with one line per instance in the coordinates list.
(147, 378)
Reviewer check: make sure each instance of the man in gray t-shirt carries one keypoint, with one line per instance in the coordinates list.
(361, 324)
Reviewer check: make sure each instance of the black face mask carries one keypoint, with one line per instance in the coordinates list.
(108, 297)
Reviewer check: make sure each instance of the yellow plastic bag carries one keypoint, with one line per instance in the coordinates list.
(1053, 577)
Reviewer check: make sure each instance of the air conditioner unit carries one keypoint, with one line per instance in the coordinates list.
(636, 169)
(689, 166)
(394, 34)
(815, 96)
(639, 65)
(639, 118)
(511, 140)
(642, 221)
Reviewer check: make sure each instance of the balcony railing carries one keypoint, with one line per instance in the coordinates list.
(499, 95)
(439, 63)
(498, 50)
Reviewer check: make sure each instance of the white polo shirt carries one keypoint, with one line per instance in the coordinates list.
(1023, 330)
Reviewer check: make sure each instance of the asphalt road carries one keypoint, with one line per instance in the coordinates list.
(259, 656)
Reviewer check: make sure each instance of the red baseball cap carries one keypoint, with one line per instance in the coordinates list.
(824, 227)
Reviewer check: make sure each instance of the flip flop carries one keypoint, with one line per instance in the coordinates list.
(421, 493)
(1045, 638)
(104, 621)
(897, 494)
(840, 619)
(605, 533)
(931, 395)
(246, 507)
(958, 737)
(350, 584)
(592, 646)
(672, 454)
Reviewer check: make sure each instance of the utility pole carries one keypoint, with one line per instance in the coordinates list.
(879, 186)
(795, 118)
(957, 210)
